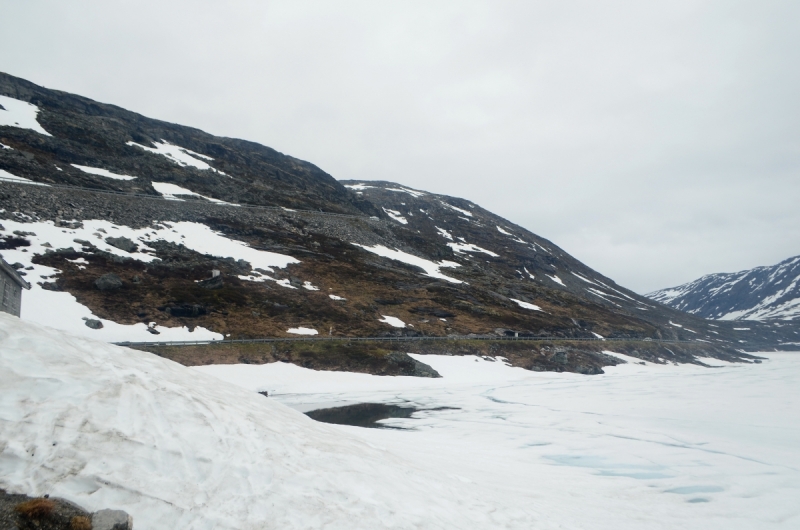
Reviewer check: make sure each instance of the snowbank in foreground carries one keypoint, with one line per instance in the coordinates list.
(106, 426)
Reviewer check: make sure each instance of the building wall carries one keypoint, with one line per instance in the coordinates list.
(10, 294)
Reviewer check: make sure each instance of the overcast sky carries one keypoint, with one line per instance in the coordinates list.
(654, 141)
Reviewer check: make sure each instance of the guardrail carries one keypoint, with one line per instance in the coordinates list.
(279, 209)
(397, 339)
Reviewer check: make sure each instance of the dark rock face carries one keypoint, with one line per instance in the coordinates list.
(93, 323)
(89, 133)
(187, 310)
(108, 282)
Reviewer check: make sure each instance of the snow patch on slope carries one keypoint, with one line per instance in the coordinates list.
(444, 233)
(102, 172)
(358, 187)
(5, 175)
(179, 155)
(170, 192)
(526, 305)
(459, 210)
(20, 114)
(61, 310)
(431, 268)
(302, 331)
(397, 216)
(413, 193)
(461, 248)
(392, 321)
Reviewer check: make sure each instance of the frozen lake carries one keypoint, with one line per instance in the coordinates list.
(642, 446)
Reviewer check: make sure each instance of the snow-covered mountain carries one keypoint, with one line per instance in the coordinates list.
(119, 222)
(762, 293)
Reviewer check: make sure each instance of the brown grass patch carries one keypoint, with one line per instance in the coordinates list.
(35, 508)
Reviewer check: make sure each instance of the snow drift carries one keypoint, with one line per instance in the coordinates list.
(106, 426)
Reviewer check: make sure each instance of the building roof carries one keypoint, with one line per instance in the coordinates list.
(11, 271)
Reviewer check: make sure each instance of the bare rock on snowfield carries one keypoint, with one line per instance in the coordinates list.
(122, 243)
(111, 520)
(93, 323)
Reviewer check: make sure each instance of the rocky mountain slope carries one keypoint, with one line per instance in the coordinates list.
(762, 293)
(131, 229)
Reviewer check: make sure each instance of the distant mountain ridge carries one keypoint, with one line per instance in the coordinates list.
(762, 293)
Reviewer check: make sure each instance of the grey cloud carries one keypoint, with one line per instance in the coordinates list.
(655, 142)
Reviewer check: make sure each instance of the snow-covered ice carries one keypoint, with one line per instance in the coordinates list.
(335, 297)
(556, 279)
(431, 268)
(392, 321)
(644, 446)
(102, 172)
(20, 114)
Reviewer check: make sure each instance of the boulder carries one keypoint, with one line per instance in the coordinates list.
(560, 357)
(122, 243)
(411, 366)
(108, 282)
(213, 283)
(111, 520)
(93, 323)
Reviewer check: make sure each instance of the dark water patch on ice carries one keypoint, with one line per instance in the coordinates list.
(366, 414)
(698, 499)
